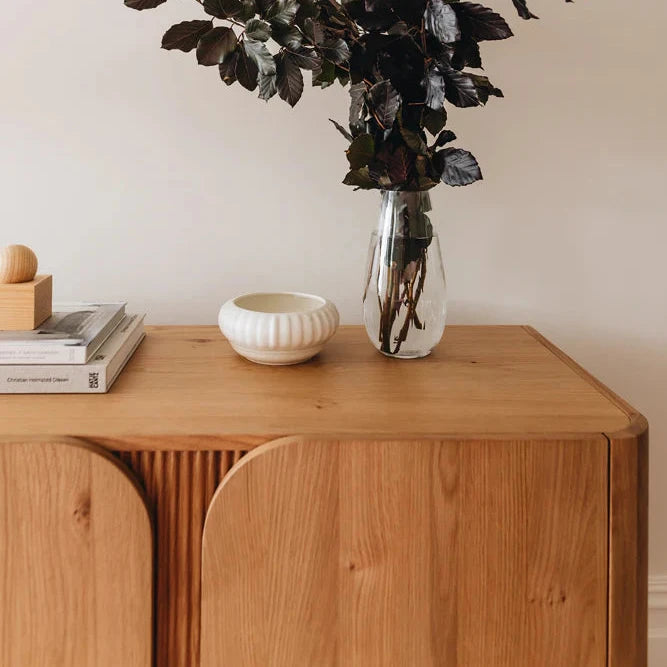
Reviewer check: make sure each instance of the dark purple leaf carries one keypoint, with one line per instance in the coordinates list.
(435, 88)
(434, 120)
(325, 74)
(246, 70)
(481, 23)
(400, 28)
(466, 54)
(422, 164)
(386, 101)
(399, 166)
(228, 69)
(290, 80)
(313, 30)
(460, 89)
(288, 36)
(308, 9)
(377, 170)
(258, 29)
(360, 179)
(248, 10)
(522, 9)
(342, 130)
(185, 36)
(214, 8)
(379, 20)
(307, 58)
(263, 6)
(376, 5)
(357, 101)
(223, 9)
(143, 4)
(414, 141)
(268, 86)
(441, 21)
(459, 167)
(425, 183)
(282, 12)
(361, 151)
(411, 11)
(485, 88)
(215, 46)
(261, 56)
(444, 138)
(335, 50)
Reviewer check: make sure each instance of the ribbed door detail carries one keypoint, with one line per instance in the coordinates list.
(179, 486)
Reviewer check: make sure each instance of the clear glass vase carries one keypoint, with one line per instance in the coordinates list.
(405, 297)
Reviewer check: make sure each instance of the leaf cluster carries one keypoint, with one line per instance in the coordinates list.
(403, 60)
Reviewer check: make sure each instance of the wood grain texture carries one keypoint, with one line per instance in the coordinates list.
(179, 487)
(186, 388)
(25, 305)
(18, 264)
(75, 559)
(187, 408)
(365, 554)
(628, 527)
(628, 546)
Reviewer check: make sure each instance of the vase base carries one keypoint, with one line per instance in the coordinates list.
(408, 354)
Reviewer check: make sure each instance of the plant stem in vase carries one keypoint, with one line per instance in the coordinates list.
(404, 299)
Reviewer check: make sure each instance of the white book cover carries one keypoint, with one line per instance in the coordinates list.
(95, 377)
(70, 336)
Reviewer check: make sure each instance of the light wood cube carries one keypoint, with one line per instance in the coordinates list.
(25, 306)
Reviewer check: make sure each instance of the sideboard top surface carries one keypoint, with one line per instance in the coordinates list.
(186, 388)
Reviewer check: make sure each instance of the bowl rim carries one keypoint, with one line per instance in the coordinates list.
(321, 302)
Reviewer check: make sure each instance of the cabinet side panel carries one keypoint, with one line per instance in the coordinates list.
(628, 547)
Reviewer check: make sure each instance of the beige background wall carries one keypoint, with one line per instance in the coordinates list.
(137, 175)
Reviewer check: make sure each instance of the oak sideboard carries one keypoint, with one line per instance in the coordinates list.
(483, 507)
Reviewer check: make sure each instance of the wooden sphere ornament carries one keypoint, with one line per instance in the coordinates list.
(25, 298)
(18, 264)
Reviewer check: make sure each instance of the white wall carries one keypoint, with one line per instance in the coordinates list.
(137, 175)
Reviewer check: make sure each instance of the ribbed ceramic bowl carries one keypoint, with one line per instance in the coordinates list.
(278, 328)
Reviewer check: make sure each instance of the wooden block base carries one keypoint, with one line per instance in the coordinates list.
(25, 306)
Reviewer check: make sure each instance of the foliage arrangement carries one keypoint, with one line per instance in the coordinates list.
(403, 60)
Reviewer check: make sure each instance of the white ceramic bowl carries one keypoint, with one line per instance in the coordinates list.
(278, 328)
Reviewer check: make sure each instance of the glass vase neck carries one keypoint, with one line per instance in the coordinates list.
(403, 214)
(410, 198)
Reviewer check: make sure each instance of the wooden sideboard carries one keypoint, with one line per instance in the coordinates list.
(483, 507)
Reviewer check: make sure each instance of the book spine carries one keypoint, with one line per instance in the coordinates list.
(53, 380)
(44, 354)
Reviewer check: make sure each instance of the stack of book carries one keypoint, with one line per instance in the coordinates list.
(81, 348)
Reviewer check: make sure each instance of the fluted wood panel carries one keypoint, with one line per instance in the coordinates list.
(393, 554)
(179, 486)
(75, 559)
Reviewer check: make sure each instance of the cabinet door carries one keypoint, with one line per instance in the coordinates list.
(382, 554)
(75, 559)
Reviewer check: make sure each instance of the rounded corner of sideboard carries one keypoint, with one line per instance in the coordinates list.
(636, 430)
